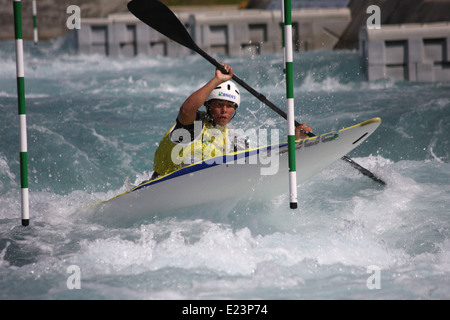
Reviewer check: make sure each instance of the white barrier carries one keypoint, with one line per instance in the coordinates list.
(414, 52)
(229, 32)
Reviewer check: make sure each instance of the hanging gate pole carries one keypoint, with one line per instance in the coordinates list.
(35, 29)
(290, 103)
(22, 114)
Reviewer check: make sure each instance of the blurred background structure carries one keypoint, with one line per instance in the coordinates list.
(243, 28)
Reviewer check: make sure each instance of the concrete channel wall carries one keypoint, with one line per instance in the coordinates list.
(414, 52)
(231, 32)
(411, 52)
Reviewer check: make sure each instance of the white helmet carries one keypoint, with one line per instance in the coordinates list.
(226, 91)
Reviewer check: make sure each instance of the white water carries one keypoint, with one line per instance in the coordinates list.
(94, 122)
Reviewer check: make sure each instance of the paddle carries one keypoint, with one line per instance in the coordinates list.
(158, 16)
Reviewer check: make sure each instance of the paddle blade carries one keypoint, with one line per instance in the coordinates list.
(156, 15)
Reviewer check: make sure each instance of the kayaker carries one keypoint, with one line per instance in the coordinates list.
(199, 133)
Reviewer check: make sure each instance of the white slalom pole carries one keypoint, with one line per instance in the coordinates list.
(35, 30)
(289, 60)
(22, 114)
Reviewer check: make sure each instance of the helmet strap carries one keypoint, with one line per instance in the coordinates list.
(207, 108)
(234, 114)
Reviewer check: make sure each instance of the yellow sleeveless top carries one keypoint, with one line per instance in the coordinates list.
(178, 148)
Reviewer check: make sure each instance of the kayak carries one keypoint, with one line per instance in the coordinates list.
(260, 173)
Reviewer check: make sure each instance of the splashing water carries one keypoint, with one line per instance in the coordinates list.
(95, 122)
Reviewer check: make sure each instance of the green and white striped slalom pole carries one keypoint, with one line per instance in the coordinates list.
(22, 114)
(290, 103)
(35, 29)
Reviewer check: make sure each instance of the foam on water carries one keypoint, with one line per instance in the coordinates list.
(94, 124)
